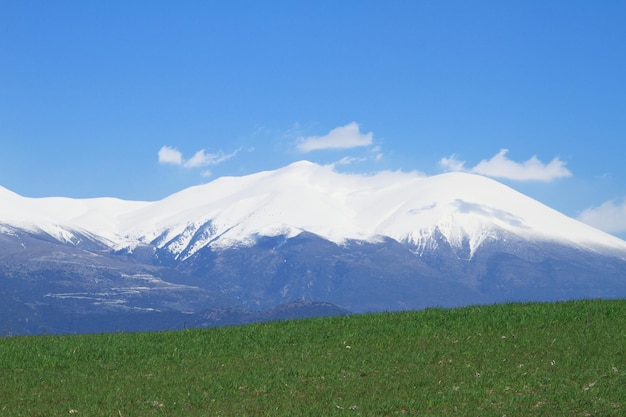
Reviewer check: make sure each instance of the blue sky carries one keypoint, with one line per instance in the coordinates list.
(140, 99)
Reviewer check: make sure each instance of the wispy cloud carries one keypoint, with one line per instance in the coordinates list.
(373, 154)
(343, 137)
(610, 216)
(499, 166)
(347, 160)
(201, 158)
(170, 155)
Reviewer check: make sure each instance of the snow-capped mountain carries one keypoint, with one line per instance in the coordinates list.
(305, 197)
(385, 241)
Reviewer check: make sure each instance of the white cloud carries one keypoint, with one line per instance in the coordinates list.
(201, 158)
(499, 166)
(347, 160)
(343, 137)
(373, 154)
(609, 216)
(169, 155)
(451, 164)
(377, 153)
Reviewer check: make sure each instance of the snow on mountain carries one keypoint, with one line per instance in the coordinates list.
(466, 209)
(65, 219)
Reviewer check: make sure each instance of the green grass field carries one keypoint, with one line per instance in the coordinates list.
(514, 360)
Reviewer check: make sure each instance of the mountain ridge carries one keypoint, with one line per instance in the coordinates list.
(307, 197)
(300, 240)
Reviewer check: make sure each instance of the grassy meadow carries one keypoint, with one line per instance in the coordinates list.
(532, 359)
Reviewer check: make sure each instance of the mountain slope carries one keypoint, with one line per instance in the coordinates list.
(403, 206)
(244, 245)
(307, 197)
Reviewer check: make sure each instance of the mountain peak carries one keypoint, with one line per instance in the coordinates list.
(307, 197)
(386, 241)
